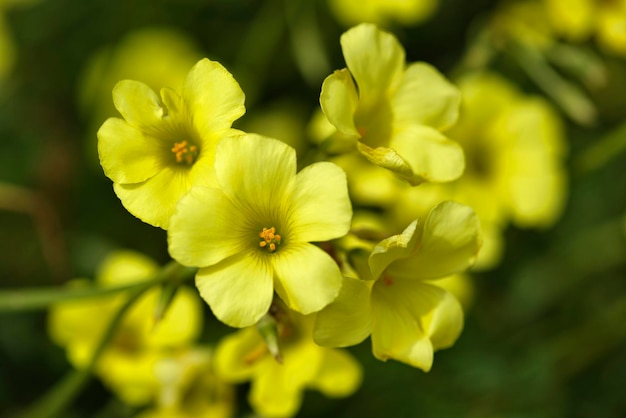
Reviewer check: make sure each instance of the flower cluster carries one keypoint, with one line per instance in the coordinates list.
(282, 252)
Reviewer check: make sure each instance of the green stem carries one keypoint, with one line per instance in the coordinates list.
(41, 298)
(602, 151)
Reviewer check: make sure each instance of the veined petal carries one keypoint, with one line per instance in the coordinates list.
(320, 208)
(339, 374)
(347, 320)
(238, 289)
(214, 97)
(397, 332)
(395, 247)
(450, 242)
(430, 155)
(339, 101)
(206, 228)
(375, 59)
(126, 155)
(308, 279)
(138, 104)
(256, 170)
(425, 97)
(154, 200)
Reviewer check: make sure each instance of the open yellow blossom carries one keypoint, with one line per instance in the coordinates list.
(395, 115)
(252, 235)
(393, 298)
(277, 388)
(382, 12)
(165, 144)
(127, 366)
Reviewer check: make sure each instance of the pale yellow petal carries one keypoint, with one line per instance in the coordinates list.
(425, 97)
(214, 97)
(429, 154)
(450, 242)
(237, 355)
(445, 323)
(257, 172)
(320, 208)
(339, 101)
(395, 247)
(126, 154)
(339, 375)
(376, 60)
(206, 228)
(307, 278)
(347, 320)
(140, 106)
(238, 289)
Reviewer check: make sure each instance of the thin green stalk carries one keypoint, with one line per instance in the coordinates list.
(40, 298)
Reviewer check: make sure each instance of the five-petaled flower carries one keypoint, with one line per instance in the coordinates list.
(394, 300)
(165, 144)
(251, 235)
(395, 115)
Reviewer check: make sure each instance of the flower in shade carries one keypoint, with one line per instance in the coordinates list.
(395, 115)
(394, 299)
(165, 144)
(277, 389)
(251, 235)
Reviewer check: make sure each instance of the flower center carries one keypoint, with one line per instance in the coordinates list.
(269, 239)
(185, 152)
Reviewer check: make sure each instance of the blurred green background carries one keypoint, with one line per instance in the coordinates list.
(546, 333)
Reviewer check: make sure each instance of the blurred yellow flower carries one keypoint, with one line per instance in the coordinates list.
(166, 144)
(382, 12)
(514, 146)
(578, 20)
(252, 235)
(157, 56)
(127, 366)
(393, 299)
(394, 115)
(277, 388)
(189, 388)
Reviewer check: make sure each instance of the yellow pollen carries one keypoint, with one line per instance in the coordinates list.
(270, 239)
(185, 152)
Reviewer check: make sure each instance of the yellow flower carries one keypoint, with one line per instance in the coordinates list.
(514, 147)
(406, 12)
(277, 388)
(189, 388)
(394, 115)
(166, 144)
(252, 235)
(127, 364)
(393, 300)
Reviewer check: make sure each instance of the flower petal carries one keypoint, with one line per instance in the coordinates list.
(450, 242)
(232, 356)
(425, 97)
(375, 58)
(138, 104)
(339, 101)
(320, 205)
(339, 375)
(206, 228)
(154, 200)
(397, 332)
(213, 96)
(445, 323)
(308, 279)
(431, 156)
(126, 155)
(347, 320)
(395, 247)
(238, 289)
(256, 171)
